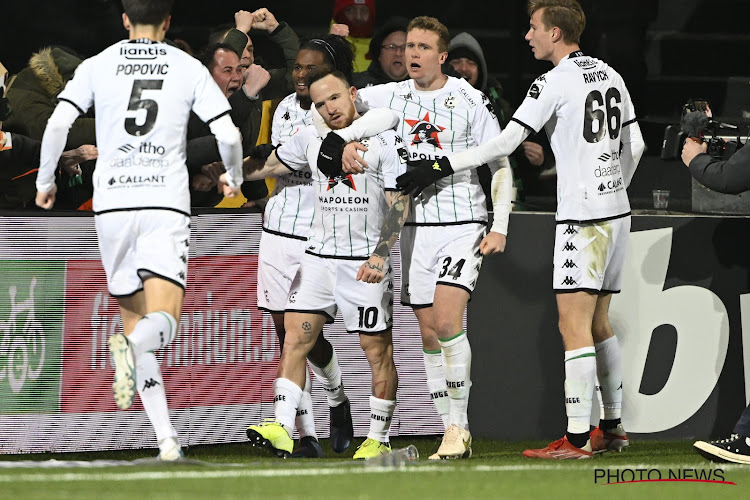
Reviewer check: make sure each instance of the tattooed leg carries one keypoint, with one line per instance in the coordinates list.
(302, 330)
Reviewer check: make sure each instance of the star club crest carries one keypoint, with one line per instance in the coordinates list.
(346, 180)
(424, 131)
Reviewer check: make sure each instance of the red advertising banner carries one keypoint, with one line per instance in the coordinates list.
(225, 352)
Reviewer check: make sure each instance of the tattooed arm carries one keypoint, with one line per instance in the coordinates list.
(374, 270)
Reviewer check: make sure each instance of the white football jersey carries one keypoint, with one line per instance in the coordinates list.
(435, 124)
(349, 210)
(143, 92)
(583, 104)
(289, 210)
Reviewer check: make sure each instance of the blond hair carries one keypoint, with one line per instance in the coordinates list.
(564, 14)
(431, 24)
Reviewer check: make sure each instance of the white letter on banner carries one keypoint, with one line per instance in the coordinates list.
(702, 325)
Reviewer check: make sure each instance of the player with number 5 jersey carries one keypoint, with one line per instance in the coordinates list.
(143, 91)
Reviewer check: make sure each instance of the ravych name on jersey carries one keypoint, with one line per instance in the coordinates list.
(595, 76)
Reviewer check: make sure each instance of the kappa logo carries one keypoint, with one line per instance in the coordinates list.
(406, 290)
(183, 258)
(408, 96)
(424, 131)
(111, 181)
(186, 241)
(569, 264)
(265, 294)
(569, 247)
(150, 383)
(601, 187)
(286, 116)
(181, 275)
(570, 230)
(541, 78)
(568, 281)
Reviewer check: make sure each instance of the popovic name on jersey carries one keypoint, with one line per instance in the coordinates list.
(583, 104)
(435, 124)
(143, 92)
(349, 208)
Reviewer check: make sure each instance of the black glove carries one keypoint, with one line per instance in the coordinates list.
(422, 173)
(262, 151)
(329, 157)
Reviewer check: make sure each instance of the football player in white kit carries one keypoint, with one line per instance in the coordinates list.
(587, 112)
(287, 224)
(444, 239)
(346, 264)
(143, 91)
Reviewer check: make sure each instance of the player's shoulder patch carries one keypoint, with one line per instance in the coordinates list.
(535, 90)
(390, 139)
(488, 104)
(539, 84)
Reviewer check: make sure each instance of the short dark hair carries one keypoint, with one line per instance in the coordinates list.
(320, 73)
(148, 12)
(427, 23)
(564, 14)
(206, 55)
(337, 51)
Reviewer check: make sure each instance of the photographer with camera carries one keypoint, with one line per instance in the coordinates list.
(730, 176)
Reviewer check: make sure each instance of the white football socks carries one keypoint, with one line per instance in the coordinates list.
(433, 367)
(580, 377)
(381, 414)
(330, 378)
(609, 371)
(286, 397)
(457, 366)
(305, 421)
(153, 331)
(154, 398)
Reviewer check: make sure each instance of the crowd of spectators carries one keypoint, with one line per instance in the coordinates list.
(253, 88)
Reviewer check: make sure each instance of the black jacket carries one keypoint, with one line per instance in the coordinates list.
(730, 176)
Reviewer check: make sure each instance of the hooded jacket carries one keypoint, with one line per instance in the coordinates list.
(375, 74)
(466, 41)
(33, 97)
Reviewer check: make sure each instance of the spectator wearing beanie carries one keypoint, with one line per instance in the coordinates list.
(387, 52)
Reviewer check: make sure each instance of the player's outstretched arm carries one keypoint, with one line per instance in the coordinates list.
(229, 140)
(53, 143)
(256, 167)
(373, 270)
(372, 122)
(423, 173)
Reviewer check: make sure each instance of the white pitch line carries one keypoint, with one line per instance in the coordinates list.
(324, 471)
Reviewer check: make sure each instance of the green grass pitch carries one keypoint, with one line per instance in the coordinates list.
(497, 470)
